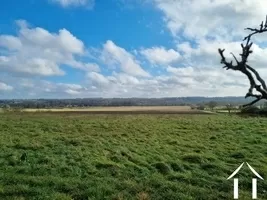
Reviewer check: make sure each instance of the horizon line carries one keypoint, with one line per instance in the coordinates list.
(124, 97)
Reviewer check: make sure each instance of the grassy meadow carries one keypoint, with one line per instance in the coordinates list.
(83, 156)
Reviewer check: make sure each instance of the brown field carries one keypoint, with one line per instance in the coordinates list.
(125, 110)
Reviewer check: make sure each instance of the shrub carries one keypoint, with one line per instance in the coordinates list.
(250, 110)
(263, 111)
(193, 107)
(201, 107)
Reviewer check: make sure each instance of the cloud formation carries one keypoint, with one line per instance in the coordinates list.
(220, 19)
(117, 56)
(190, 66)
(5, 87)
(36, 51)
(160, 55)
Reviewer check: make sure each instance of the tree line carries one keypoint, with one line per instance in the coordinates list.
(92, 102)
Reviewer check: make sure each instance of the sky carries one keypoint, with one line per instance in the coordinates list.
(126, 48)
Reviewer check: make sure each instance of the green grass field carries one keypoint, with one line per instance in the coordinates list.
(65, 156)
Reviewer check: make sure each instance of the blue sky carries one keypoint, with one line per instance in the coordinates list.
(123, 48)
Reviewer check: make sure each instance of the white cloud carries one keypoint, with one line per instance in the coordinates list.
(126, 79)
(36, 51)
(98, 79)
(10, 42)
(61, 41)
(5, 87)
(70, 89)
(84, 66)
(71, 86)
(75, 3)
(36, 88)
(216, 18)
(114, 55)
(72, 92)
(160, 55)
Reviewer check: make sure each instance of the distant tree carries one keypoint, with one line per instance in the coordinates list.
(201, 107)
(229, 107)
(193, 107)
(240, 107)
(212, 104)
(6, 108)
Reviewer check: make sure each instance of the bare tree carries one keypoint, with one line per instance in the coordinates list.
(212, 104)
(229, 107)
(201, 107)
(242, 66)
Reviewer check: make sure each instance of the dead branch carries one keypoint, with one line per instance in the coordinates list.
(246, 69)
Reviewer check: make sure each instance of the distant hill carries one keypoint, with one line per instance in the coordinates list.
(86, 102)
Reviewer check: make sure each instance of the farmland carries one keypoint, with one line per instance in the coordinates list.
(123, 110)
(47, 155)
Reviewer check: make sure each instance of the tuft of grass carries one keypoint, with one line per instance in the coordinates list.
(162, 168)
(177, 167)
(143, 196)
(238, 155)
(193, 158)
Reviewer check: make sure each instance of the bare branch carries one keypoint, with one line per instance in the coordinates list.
(228, 65)
(235, 58)
(251, 103)
(263, 28)
(258, 77)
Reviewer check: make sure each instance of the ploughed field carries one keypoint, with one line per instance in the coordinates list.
(81, 156)
(125, 110)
